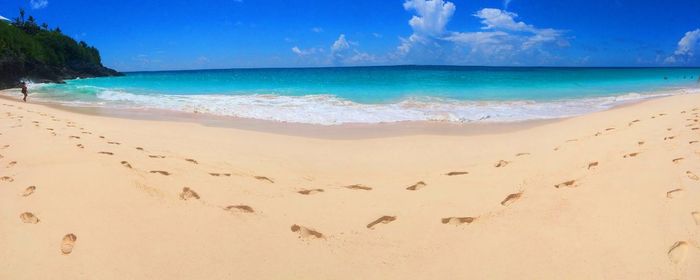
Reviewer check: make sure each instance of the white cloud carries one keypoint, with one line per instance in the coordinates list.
(477, 38)
(502, 36)
(361, 57)
(317, 29)
(502, 39)
(432, 16)
(686, 47)
(297, 51)
(500, 19)
(304, 52)
(38, 4)
(340, 45)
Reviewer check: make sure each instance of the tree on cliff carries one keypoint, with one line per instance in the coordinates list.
(28, 50)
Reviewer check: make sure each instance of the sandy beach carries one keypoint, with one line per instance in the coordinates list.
(607, 195)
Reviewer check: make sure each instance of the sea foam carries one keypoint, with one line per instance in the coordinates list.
(332, 110)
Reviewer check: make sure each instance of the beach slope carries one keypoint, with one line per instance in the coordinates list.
(608, 195)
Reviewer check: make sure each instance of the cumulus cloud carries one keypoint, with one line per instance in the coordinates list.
(502, 39)
(429, 22)
(502, 36)
(38, 4)
(317, 29)
(431, 16)
(686, 48)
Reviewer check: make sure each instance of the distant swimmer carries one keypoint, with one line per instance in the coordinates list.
(24, 90)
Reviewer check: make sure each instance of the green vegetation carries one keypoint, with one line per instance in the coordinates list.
(30, 50)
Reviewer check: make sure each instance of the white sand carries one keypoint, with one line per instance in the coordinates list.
(618, 219)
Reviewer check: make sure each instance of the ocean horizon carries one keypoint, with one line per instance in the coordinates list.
(378, 94)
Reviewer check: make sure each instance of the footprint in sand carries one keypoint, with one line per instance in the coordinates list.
(28, 218)
(568, 184)
(692, 142)
(80, 146)
(28, 191)
(674, 193)
(188, 194)
(263, 178)
(156, 156)
(692, 175)
(126, 164)
(68, 243)
(458, 220)
(678, 251)
(501, 163)
(310, 191)
(86, 132)
(598, 133)
(106, 153)
(640, 143)
(417, 186)
(457, 173)
(165, 173)
(522, 154)
(358, 187)
(220, 174)
(102, 137)
(592, 165)
(669, 137)
(511, 198)
(139, 148)
(74, 137)
(191, 160)
(6, 179)
(696, 217)
(239, 208)
(11, 164)
(609, 129)
(114, 143)
(383, 220)
(677, 160)
(305, 232)
(630, 155)
(632, 122)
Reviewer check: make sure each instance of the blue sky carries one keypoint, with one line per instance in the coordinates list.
(177, 34)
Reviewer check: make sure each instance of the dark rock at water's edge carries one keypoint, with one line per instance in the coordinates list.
(33, 52)
(13, 70)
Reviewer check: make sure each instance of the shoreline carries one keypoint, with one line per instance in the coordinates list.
(335, 131)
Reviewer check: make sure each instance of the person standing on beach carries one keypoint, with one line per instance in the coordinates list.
(24, 90)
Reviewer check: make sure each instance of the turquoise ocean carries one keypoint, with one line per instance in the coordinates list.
(378, 94)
